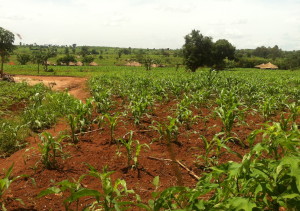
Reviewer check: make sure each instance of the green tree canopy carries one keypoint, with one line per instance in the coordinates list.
(197, 50)
(23, 58)
(7, 39)
(222, 50)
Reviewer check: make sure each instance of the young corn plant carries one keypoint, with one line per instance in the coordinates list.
(103, 100)
(5, 183)
(184, 114)
(84, 112)
(109, 197)
(276, 141)
(167, 131)
(267, 107)
(294, 110)
(140, 106)
(213, 150)
(112, 120)
(74, 122)
(228, 110)
(133, 149)
(50, 149)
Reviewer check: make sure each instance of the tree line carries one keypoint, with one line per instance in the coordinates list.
(197, 51)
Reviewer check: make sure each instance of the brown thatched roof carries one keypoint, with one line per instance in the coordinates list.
(79, 64)
(93, 64)
(133, 64)
(267, 66)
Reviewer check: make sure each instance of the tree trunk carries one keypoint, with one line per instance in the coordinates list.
(1, 70)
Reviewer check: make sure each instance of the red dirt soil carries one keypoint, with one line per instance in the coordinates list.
(94, 149)
(75, 86)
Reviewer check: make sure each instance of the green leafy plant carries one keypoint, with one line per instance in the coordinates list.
(103, 100)
(294, 109)
(133, 149)
(5, 182)
(112, 120)
(110, 197)
(50, 149)
(267, 107)
(140, 105)
(74, 122)
(213, 149)
(168, 131)
(228, 110)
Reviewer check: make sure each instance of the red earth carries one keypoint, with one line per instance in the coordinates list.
(95, 149)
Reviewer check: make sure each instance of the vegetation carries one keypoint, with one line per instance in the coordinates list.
(241, 127)
(7, 39)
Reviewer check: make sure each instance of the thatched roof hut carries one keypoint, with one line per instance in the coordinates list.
(79, 64)
(72, 64)
(268, 66)
(133, 64)
(93, 64)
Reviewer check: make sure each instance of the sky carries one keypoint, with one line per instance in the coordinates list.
(247, 24)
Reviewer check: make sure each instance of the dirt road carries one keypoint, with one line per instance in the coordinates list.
(75, 86)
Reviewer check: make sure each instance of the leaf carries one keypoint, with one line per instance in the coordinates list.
(52, 190)
(82, 193)
(156, 181)
(238, 203)
(290, 196)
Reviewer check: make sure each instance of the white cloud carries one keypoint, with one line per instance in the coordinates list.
(153, 24)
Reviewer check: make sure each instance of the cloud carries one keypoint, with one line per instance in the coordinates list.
(13, 18)
(155, 23)
(116, 20)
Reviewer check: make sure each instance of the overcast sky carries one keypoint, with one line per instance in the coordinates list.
(153, 23)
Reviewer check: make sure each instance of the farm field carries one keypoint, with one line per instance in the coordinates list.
(208, 140)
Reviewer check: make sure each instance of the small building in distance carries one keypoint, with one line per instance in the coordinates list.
(93, 64)
(268, 66)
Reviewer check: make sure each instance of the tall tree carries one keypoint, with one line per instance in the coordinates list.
(197, 50)
(7, 39)
(222, 49)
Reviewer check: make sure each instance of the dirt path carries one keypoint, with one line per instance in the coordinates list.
(75, 86)
(25, 159)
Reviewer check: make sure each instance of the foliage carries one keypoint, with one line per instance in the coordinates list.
(168, 131)
(50, 149)
(87, 59)
(66, 60)
(222, 49)
(23, 58)
(197, 50)
(112, 120)
(110, 197)
(133, 149)
(5, 182)
(7, 39)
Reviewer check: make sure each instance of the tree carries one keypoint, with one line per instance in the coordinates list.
(42, 54)
(66, 60)
(84, 51)
(7, 39)
(222, 49)
(74, 48)
(23, 58)
(37, 57)
(87, 59)
(197, 50)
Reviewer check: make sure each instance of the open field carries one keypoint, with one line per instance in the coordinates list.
(208, 140)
